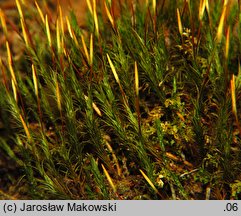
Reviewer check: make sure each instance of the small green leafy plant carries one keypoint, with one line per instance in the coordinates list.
(145, 105)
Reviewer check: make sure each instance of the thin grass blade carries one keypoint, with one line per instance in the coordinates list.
(109, 178)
